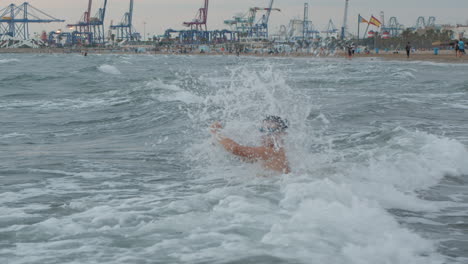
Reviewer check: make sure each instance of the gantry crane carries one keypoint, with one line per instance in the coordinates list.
(90, 28)
(344, 28)
(125, 30)
(246, 25)
(331, 29)
(199, 22)
(15, 20)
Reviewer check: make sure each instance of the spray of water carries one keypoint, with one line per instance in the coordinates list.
(334, 206)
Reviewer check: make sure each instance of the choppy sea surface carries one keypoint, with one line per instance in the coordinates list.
(108, 159)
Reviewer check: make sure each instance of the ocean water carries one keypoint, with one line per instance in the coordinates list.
(108, 159)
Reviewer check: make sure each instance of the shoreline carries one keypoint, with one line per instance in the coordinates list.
(444, 56)
(441, 58)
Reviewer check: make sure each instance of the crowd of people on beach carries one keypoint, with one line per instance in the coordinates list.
(348, 50)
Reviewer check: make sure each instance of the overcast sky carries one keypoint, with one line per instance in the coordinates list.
(163, 14)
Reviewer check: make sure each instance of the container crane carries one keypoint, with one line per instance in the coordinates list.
(125, 30)
(331, 29)
(261, 28)
(15, 20)
(306, 22)
(344, 28)
(91, 28)
(246, 24)
(393, 27)
(199, 23)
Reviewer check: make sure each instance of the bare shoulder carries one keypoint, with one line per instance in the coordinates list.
(262, 152)
(273, 152)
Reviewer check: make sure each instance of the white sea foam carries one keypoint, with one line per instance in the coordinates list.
(344, 229)
(404, 75)
(105, 68)
(460, 106)
(334, 206)
(64, 103)
(438, 64)
(13, 135)
(5, 61)
(172, 92)
(162, 85)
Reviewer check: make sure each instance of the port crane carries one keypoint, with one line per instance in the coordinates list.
(199, 23)
(15, 20)
(125, 30)
(90, 28)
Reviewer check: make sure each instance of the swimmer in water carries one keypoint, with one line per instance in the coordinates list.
(271, 154)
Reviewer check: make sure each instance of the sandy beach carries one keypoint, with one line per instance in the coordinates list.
(443, 56)
(426, 56)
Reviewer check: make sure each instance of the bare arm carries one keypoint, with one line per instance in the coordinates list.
(251, 153)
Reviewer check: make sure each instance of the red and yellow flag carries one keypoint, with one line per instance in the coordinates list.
(374, 21)
(362, 20)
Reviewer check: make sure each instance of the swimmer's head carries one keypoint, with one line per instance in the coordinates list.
(274, 124)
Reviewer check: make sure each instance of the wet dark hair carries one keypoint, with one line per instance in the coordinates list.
(282, 124)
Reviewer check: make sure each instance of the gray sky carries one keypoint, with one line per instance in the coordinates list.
(163, 14)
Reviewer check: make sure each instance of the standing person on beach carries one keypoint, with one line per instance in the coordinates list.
(408, 49)
(457, 48)
(349, 48)
(461, 48)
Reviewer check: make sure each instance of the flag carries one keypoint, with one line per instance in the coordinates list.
(374, 21)
(362, 20)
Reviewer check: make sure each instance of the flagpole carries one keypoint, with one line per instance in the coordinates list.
(367, 29)
(375, 40)
(368, 24)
